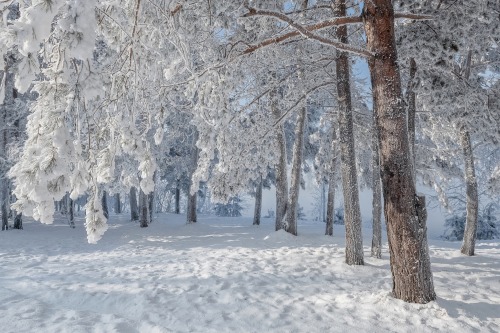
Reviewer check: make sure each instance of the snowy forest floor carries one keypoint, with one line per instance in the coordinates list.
(224, 275)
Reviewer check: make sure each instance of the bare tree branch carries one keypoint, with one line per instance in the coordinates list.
(335, 22)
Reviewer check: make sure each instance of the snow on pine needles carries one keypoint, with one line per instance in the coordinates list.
(225, 275)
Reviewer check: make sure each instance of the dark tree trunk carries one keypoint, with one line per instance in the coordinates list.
(71, 213)
(354, 240)
(258, 203)
(377, 196)
(151, 202)
(134, 210)
(143, 209)
(469, 241)
(118, 204)
(191, 215)
(404, 214)
(330, 206)
(177, 198)
(5, 210)
(412, 108)
(104, 203)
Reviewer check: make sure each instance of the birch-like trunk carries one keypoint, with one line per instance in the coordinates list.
(377, 195)
(143, 209)
(258, 203)
(134, 210)
(352, 217)
(281, 172)
(472, 201)
(298, 151)
(404, 211)
(118, 204)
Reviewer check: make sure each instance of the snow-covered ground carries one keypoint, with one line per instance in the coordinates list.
(224, 275)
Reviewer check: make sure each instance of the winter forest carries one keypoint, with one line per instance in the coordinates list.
(142, 134)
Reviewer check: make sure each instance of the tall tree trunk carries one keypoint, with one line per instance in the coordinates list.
(404, 214)
(330, 206)
(104, 203)
(412, 108)
(177, 198)
(354, 240)
(258, 203)
(151, 203)
(134, 210)
(377, 195)
(118, 204)
(143, 209)
(469, 240)
(71, 213)
(5, 203)
(281, 172)
(191, 215)
(298, 152)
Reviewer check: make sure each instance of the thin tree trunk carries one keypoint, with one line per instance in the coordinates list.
(412, 108)
(191, 215)
(177, 198)
(71, 213)
(258, 203)
(134, 210)
(298, 151)
(118, 204)
(151, 201)
(405, 216)
(354, 240)
(469, 240)
(191, 208)
(5, 204)
(330, 208)
(143, 209)
(377, 195)
(104, 203)
(281, 172)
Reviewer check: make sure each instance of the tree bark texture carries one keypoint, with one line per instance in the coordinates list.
(412, 108)
(118, 204)
(258, 203)
(281, 172)
(104, 203)
(404, 214)
(71, 213)
(177, 198)
(134, 210)
(352, 217)
(143, 209)
(298, 151)
(472, 201)
(377, 196)
(191, 214)
(330, 206)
